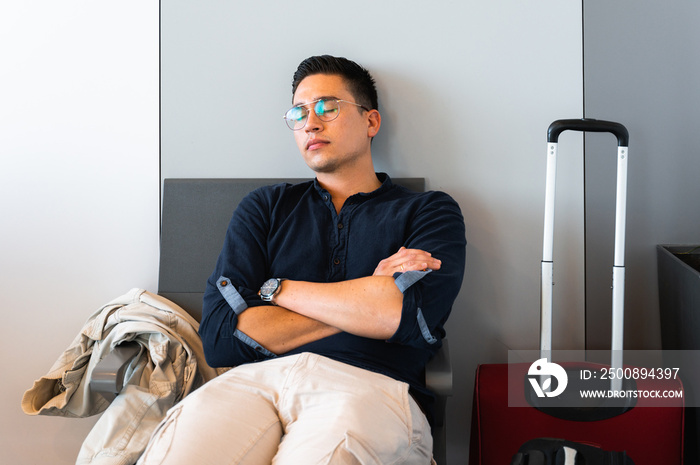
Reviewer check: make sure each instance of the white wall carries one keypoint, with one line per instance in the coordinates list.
(467, 90)
(79, 171)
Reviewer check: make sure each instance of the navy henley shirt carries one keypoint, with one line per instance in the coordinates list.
(293, 231)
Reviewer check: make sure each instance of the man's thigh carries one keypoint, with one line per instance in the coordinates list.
(334, 413)
(230, 420)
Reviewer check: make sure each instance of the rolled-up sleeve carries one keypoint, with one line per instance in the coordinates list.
(428, 296)
(232, 287)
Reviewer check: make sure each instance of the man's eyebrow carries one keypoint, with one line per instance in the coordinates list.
(325, 97)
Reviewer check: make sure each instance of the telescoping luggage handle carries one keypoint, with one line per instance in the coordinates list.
(547, 278)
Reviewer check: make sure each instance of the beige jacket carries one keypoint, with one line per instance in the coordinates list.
(169, 366)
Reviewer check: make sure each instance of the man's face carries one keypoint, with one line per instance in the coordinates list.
(328, 146)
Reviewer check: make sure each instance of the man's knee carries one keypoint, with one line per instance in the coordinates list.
(207, 428)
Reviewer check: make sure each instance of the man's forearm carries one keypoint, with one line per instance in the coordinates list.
(368, 307)
(280, 330)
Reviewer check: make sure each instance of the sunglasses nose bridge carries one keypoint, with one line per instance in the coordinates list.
(312, 122)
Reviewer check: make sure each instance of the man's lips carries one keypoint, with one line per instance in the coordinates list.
(314, 144)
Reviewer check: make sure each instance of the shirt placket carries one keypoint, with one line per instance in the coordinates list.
(339, 246)
(339, 251)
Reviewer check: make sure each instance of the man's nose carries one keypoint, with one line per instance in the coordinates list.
(313, 122)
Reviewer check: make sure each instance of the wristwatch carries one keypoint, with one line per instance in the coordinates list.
(270, 289)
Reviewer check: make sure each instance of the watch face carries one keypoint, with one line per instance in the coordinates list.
(269, 287)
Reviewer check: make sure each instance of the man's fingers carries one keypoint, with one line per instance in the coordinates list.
(433, 264)
(407, 260)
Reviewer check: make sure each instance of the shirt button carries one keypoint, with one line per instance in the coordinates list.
(224, 283)
(336, 261)
(340, 225)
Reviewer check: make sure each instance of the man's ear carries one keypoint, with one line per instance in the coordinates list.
(374, 120)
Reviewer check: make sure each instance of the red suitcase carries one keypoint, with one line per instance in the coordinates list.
(649, 430)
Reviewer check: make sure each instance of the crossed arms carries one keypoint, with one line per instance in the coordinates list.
(306, 312)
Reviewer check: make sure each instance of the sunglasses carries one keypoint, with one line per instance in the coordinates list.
(326, 109)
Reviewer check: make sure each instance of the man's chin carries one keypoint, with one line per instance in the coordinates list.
(322, 170)
(322, 167)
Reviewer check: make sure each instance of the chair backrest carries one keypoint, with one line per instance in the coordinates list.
(196, 213)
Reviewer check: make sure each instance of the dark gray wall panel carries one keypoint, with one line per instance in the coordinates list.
(642, 69)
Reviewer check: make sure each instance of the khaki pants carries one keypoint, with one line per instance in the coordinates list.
(298, 410)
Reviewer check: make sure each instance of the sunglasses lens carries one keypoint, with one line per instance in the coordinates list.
(326, 110)
(296, 117)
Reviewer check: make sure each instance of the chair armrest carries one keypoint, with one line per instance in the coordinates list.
(438, 371)
(108, 375)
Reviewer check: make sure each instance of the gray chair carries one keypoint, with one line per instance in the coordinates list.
(196, 213)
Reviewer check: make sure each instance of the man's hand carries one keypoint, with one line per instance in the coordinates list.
(407, 260)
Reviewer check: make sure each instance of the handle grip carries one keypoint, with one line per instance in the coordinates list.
(588, 125)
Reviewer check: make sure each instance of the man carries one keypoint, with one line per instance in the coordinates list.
(338, 288)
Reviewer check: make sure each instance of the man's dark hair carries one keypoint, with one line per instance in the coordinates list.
(360, 83)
